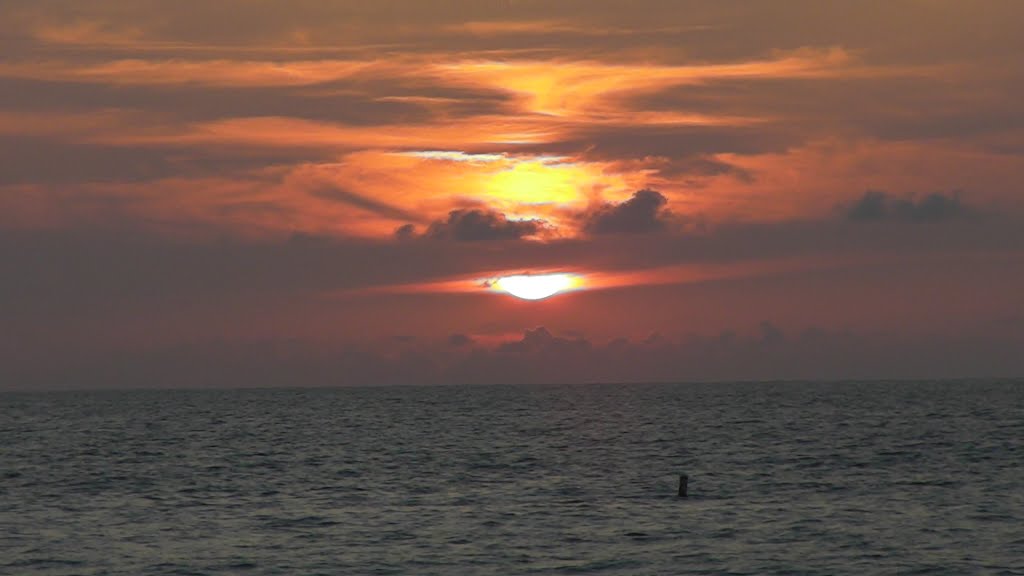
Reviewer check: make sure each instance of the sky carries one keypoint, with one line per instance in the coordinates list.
(270, 193)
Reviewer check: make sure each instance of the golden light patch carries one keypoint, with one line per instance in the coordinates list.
(536, 287)
(533, 182)
(520, 187)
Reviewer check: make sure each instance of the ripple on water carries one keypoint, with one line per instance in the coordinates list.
(784, 478)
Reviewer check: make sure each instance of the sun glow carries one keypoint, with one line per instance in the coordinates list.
(538, 182)
(536, 287)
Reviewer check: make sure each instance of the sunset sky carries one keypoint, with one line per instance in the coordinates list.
(315, 192)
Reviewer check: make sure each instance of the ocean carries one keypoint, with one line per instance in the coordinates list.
(784, 478)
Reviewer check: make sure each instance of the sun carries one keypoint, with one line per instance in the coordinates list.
(536, 286)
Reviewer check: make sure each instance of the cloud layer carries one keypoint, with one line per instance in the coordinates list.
(348, 176)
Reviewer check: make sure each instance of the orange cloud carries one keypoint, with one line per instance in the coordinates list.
(224, 72)
(402, 170)
(577, 89)
(279, 131)
(69, 125)
(89, 32)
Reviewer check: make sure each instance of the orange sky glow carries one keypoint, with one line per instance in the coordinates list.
(342, 173)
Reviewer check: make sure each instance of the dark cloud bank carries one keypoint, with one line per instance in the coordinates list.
(543, 357)
(878, 206)
(642, 213)
(473, 225)
(126, 307)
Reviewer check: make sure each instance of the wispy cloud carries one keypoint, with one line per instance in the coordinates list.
(221, 72)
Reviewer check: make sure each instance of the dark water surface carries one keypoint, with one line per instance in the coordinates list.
(879, 478)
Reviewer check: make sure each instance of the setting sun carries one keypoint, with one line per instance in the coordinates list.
(536, 287)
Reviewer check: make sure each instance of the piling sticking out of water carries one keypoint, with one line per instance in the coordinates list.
(683, 481)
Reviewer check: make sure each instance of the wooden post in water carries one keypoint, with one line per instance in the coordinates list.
(683, 481)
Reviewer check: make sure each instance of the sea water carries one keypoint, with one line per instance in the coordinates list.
(785, 478)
